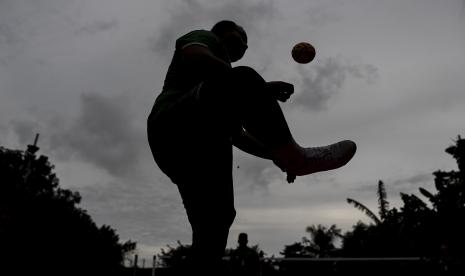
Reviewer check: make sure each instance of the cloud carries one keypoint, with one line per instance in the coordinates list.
(27, 25)
(104, 134)
(12, 21)
(193, 14)
(7, 36)
(326, 79)
(147, 213)
(321, 13)
(25, 131)
(24, 23)
(394, 187)
(10, 35)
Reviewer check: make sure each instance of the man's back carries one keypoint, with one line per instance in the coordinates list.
(180, 80)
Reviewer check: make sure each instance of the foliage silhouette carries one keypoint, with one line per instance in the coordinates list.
(43, 231)
(432, 229)
(177, 256)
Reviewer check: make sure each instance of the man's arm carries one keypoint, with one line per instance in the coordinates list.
(202, 61)
(247, 143)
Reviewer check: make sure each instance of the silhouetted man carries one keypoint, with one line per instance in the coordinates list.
(205, 107)
(245, 261)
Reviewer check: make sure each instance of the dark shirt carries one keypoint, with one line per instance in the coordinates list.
(245, 261)
(178, 80)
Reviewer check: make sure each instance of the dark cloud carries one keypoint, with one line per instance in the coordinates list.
(103, 134)
(414, 180)
(325, 79)
(192, 14)
(97, 27)
(462, 11)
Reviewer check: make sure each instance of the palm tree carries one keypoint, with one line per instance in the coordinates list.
(383, 205)
(321, 242)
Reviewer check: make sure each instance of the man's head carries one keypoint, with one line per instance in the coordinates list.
(233, 37)
(243, 239)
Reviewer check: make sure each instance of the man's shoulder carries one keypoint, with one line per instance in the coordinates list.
(198, 36)
(199, 33)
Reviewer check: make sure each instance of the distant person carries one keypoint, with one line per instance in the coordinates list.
(245, 261)
(205, 107)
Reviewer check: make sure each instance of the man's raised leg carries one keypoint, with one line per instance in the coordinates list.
(242, 98)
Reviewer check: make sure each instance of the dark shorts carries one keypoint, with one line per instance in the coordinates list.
(188, 142)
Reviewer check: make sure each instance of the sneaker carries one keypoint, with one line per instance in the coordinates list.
(318, 159)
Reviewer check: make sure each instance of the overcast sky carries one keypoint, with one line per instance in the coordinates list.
(84, 74)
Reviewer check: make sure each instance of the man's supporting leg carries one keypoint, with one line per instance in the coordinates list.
(198, 159)
(209, 204)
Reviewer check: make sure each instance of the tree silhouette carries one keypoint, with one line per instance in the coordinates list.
(380, 238)
(175, 257)
(358, 242)
(448, 205)
(417, 228)
(295, 250)
(320, 244)
(383, 204)
(322, 239)
(42, 230)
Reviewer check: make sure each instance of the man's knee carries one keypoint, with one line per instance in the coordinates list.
(244, 69)
(223, 219)
(246, 74)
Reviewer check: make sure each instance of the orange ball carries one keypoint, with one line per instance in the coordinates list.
(303, 52)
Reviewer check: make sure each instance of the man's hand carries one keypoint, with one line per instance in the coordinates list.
(290, 178)
(280, 90)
